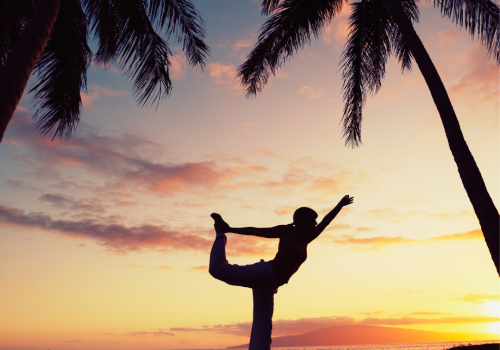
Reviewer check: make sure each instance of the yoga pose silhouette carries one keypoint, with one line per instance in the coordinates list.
(265, 277)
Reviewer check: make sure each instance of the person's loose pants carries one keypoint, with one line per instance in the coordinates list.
(259, 277)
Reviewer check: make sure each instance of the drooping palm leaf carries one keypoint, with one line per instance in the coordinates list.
(143, 53)
(399, 47)
(363, 62)
(284, 33)
(103, 22)
(269, 6)
(14, 15)
(61, 72)
(479, 17)
(182, 20)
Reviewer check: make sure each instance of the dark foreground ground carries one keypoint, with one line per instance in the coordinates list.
(494, 346)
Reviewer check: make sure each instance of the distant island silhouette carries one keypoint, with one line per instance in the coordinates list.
(358, 335)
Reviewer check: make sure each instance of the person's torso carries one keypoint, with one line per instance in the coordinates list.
(292, 252)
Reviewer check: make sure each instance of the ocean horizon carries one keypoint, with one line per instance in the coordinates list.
(396, 346)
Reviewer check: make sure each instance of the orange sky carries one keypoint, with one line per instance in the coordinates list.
(104, 238)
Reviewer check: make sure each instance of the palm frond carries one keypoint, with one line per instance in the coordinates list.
(103, 22)
(284, 33)
(479, 17)
(179, 17)
(269, 6)
(363, 62)
(14, 15)
(399, 46)
(143, 53)
(61, 72)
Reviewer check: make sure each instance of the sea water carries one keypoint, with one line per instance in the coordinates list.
(402, 346)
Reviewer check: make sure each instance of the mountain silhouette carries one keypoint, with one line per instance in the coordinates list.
(357, 335)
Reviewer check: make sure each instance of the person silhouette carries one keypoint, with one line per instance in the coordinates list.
(265, 277)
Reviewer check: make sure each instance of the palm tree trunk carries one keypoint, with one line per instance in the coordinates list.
(21, 61)
(471, 177)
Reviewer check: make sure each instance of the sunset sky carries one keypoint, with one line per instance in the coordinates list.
(105, 238)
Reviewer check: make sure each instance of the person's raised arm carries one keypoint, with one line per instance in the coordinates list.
(346, 200)
(269, 232)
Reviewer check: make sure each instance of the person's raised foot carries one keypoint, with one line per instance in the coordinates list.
(216, 217)
(220, 226)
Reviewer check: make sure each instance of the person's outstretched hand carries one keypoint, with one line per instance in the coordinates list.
(220, 225)
(346, 200)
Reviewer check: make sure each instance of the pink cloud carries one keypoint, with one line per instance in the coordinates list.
(243, 44)
(285, 210)
(311, 92)
(123, 239)
(449, 35)
(120, 159)
(177, 67)
(111, 236)
(337, 31)
(223, 75)
(65, 202)
(477, 91)
(97, 92)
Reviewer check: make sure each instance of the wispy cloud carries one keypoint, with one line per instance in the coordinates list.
(476, 94)
(373, 313)
(390, 213)
(202, 269)
(311, 92)
(115, 237)
(336, 32)
(304, 325)
(479, 298)
(97, 92)
(380, 242)
(132, 166)
(372, 243)
(177, 67)
(158, 333)
(424, 313)
(223, 75)
(120, 238)
(81, 204)
(448, 36)
(121, 159)
(406, 321)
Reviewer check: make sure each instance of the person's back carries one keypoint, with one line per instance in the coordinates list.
(292, 252)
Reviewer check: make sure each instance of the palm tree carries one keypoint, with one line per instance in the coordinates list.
(49, 37)
(379, 28)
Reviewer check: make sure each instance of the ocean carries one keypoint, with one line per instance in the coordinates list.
(402, 346)
(408, 346)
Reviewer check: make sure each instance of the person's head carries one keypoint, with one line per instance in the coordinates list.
(305, 219)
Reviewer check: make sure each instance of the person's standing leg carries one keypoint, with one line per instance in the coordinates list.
(262, 326)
